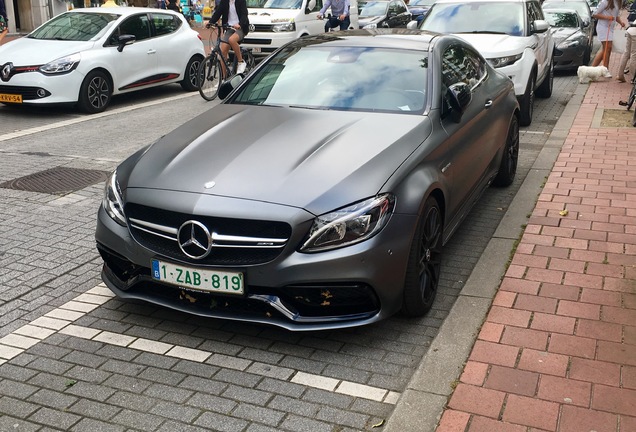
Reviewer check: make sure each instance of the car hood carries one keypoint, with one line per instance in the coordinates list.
(27, 52)
(311, 159)
(495, 45)
(266, 16)
(559, 34)
(370, 19)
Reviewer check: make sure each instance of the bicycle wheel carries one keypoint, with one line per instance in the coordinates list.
(209, 77)
(249, 59)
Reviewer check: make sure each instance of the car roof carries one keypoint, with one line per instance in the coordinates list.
(123, 11)
(419, 40)
(484, 1)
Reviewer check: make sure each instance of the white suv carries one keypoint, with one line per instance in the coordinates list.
(511, 34)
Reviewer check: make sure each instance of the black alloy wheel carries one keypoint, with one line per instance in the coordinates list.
(190, 80)
(508, 166)
(425, 262)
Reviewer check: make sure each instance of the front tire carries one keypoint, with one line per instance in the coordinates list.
(190, 80)
(527, 103)
(508, 166)
(209, 77)
(95, 93)
(425, 262)
(545, 89)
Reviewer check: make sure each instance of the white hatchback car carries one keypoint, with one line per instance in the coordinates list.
(85, 56)
(511, 34)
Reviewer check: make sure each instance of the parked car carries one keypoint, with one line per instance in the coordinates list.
(512, 34)
(569, 32)
(383, 14)
(273, 23)
(85, 56)
(582, 7)
(419, 9)
(330, 210)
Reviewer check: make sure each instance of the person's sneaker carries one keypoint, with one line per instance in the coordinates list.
(240, 68)
(608, 75)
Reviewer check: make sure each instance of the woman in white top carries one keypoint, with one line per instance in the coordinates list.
(607, 14)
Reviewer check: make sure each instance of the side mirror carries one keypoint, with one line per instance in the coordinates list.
(311, 4)
(459, 96)
(540, 26)
(228, 86)
(412, 25)
(125, 39)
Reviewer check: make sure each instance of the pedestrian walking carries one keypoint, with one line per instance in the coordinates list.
(607, 14)
(628, 59)
(4, 21)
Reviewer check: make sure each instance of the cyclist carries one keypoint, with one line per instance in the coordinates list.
(232, 13)
(340, 11)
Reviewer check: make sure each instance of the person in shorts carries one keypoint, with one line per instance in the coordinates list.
(4, 21)
(232, 13)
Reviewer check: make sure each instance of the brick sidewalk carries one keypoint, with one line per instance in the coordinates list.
(558, 349)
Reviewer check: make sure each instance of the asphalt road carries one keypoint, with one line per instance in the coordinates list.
(118, 366)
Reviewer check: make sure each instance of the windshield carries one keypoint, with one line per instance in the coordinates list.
(421, 3)
(274, 4)
(75, 26)
(580, 6)
(561, 19)
(340, 78)
(373, 8)
(476, 17)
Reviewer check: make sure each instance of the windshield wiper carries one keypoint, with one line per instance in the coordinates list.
(483, 31)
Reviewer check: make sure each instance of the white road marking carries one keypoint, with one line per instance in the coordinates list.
(61, 320)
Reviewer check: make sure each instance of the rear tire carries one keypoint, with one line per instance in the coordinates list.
(190, 80)
(632, 97)
(425, 262)
(95, 93)
(527, 103)
(209, 77)
(508, 166)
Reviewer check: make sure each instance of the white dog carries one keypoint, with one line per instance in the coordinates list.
(592, 73)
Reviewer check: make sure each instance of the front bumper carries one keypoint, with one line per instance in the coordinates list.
(37, 88)
(346, 287)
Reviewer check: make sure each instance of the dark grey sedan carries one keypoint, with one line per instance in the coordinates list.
(569, 32)
(319, 194)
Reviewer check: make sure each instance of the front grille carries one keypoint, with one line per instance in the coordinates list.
(156, 230)
(257, 41)
(28, 93)
(262, 27)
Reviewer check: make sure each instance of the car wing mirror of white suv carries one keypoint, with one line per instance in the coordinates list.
(540, 26)
(412, 25)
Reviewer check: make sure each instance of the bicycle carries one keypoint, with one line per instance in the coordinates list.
(211, 70)
(632, 94)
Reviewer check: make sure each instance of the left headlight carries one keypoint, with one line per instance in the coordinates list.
(284, 27)
(62, 65)
(568, 43)
(113, 202)
(504, 61)
(349, 225)
(370, 26)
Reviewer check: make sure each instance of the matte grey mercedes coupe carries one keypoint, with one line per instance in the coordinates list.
(319, 194)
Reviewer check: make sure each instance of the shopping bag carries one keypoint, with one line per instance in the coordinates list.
(619, 43)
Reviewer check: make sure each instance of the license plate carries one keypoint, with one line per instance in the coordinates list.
(215, 281)
(12, 98)
(256, 49)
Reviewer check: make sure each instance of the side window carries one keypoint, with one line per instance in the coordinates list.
(461, 65)
(318, 6)
(164, 23)
(533, 15)
(138, 26)
(538, 11)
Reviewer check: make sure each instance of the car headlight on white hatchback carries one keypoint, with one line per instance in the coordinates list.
(498, 62)
(370, 26)
(349, 225)
(113, 202)
(62, 65)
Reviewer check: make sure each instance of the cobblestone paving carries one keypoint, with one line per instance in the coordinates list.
(95, 363)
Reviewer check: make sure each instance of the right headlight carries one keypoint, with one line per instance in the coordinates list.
(498, 62)
(113, 202)
(349, 225)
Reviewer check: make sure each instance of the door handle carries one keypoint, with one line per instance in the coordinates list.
(488, 103)
(152, 51)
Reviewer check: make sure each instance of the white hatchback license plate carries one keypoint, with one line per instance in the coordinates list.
(198, 279)
(11, 98)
